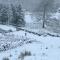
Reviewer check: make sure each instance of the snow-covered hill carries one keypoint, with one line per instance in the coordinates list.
(33, 47)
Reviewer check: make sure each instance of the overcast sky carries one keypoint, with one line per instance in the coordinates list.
(33, 5)
(30, 5)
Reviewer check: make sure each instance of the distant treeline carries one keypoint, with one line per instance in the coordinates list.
(11, 14)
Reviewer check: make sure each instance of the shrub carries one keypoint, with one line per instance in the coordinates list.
(23, 54)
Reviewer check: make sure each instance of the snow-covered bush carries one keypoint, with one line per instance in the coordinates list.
(56, 16)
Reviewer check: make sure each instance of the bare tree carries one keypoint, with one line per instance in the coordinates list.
(47, 6)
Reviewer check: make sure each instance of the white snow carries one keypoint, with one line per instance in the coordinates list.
(29, 17)
(43, 47)
(5, 27)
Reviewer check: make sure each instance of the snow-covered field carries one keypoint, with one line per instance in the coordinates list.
(22, 45)
(40, 47)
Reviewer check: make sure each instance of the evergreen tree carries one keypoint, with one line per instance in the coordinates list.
(18, 17)
(3, 14)
(20, 14)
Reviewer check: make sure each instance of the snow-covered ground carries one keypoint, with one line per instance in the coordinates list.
(40, 47)
(21, 45)
(6, 28)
